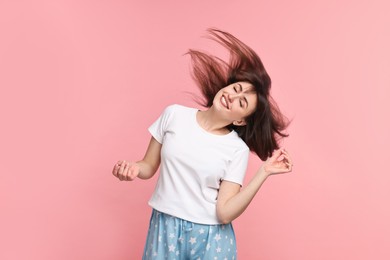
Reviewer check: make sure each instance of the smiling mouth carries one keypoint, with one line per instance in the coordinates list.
(224, 102)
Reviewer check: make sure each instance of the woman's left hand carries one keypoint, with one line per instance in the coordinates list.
(279, 162)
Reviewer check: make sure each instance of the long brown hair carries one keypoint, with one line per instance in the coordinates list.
(264, 127)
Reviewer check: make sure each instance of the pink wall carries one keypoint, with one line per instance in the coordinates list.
(82, 80)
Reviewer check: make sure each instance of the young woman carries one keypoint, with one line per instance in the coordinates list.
(204, 155)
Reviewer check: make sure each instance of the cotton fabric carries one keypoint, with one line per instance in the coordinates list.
(193, 164)
(171, 238)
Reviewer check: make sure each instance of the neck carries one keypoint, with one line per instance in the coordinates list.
(212, 122)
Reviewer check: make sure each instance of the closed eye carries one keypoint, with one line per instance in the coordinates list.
(240, 86)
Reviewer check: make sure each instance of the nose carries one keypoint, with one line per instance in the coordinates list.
(234, 96)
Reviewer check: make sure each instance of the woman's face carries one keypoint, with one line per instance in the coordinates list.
(236, 101)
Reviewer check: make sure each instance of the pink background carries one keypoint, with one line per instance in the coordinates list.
(82, 80)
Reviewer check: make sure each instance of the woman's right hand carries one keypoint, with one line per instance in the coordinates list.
(126, 171)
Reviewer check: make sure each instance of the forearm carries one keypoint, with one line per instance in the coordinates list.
(237, 204)
(146, 170)
(151, 161)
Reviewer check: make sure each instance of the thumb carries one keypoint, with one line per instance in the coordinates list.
(277, 153)
(134, 170)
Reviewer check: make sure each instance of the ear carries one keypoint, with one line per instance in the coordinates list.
(239, 122)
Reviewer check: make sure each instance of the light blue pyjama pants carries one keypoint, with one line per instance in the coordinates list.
(177, 239)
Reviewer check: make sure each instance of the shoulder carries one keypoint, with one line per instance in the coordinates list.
(239, 144)
(176, 108)
(242, 149)
(179, 107)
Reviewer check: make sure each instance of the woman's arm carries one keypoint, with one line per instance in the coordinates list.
(232, 202)
(151, 161)
(143, 169)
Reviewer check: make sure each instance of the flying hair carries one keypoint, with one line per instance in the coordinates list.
(264, 128)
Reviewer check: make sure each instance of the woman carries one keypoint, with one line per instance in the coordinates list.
(204, 156)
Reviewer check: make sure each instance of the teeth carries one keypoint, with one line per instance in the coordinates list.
(224, 101)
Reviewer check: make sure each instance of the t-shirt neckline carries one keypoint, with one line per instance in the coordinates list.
(204, 130)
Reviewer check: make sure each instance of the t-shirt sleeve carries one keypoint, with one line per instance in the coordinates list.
(159, 127)
(237, 167)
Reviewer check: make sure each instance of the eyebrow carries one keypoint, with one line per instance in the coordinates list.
(244, 96)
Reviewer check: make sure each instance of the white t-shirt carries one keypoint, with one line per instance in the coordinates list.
(193, 164)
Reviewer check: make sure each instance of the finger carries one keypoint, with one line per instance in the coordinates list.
(278, 152)
(134, 171)
(288, 160)
(126, 172)
(289, 166)
(120, 171)
(286, 153)
(284, 168)
(275, 154)
(132, 174)
(115, 170)
(122, 167)
(281, 156)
